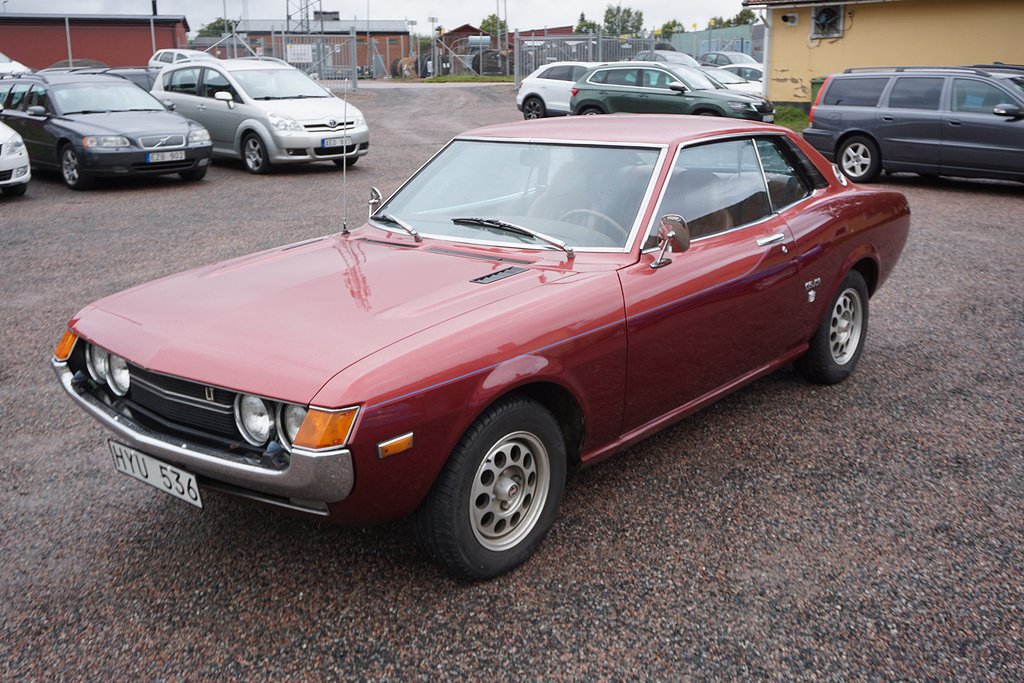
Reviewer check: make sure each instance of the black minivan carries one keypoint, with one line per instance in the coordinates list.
(956, 121)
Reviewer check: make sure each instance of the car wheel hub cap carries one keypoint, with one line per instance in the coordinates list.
(856, 159)
(70, 168)
(845, 327)
(509, 490)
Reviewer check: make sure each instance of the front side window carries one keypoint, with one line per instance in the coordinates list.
(716, 187)
(916, 93)
(976, 97)
(37, 97)
(587, 196)
(214, 82)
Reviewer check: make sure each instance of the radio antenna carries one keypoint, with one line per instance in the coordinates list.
(344, 164)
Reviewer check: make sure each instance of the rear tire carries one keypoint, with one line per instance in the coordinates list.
(839, 340)
(498, 494)
(590, 111)
(859, 159)
(15, 190)
(533, 108)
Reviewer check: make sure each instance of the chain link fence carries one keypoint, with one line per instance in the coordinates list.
(326, 57)
(533, 52)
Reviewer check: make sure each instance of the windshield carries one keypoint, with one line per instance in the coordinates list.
(278, 84)
(723, 76)
(585, 196)
(81, 98)
(695, 79)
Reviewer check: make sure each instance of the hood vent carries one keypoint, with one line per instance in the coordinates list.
(498, 275)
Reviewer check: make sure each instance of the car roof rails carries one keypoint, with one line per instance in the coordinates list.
(33, 76)
(260, 58)
(900, 69)
(999, 66)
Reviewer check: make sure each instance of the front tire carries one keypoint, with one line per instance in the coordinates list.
(498, 494)
(839, 340)
(859, 159)
(71, 170)
(194, 175)
(254, 155)
(533, 108)
(347, 162)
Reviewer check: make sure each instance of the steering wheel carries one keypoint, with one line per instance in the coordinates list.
(617, 233)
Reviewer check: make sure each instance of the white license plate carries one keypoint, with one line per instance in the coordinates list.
(768, 118)
(167, 478)
(334, 142)
(154, 157)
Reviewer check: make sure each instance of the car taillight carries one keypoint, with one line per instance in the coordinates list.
(574, 91)
(821, 91)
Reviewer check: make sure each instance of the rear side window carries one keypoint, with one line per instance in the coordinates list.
(165, 57)
(621, 77)
(916, 93)
(557, 73)
(577, 71)
(786, 184)
(855, 92)
(17, 96)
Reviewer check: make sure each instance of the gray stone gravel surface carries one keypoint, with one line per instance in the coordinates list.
(868, 531)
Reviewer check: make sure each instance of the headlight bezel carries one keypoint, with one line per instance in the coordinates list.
(198, 136)
(282, 123)
(105, 141)
(245, 429)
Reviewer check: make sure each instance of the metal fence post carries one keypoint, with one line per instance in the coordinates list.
(67, 34)
(517, 55)
(352, 57)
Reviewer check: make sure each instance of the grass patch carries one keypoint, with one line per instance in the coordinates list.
(793, 118)
(470, 79)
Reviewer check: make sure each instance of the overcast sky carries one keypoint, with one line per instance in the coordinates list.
(522, 14)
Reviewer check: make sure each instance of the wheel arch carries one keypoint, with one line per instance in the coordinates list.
(856, 132)
(867, 266)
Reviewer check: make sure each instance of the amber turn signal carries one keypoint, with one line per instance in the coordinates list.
(65, 346)
(326, 428)
(399, 444)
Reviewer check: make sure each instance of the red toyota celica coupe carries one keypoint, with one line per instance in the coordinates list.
(538, 296)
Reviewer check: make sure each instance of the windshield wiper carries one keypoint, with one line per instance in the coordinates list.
(394, 220)
(517, 230)
(270, 97)
(88, 111)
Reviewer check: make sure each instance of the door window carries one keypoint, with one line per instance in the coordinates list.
(621, 77)
(37, 97)
(855, 92)
(715, 187)
(183, 81)
(786, 185)
(976, 97)
(557, 73)
(214, 82)
(656, 78)
(17, 96)
(165, 57)
(916, 93)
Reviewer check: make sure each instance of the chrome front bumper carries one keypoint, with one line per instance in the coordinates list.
(311, 480)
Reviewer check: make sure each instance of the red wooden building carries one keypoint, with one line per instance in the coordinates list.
(41, 40)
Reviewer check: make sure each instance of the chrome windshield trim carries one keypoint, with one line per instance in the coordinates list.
(325, 476)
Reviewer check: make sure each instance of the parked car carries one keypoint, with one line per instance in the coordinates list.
(10, 66)
(538, 296)
(751, 72)
(142, 76)
(730, 81)
(546, 91)
(660, 88)
(92, 125)
(721, 58)
(265, 112)
(669, 56)
(14, 166)
(957, 121)
(162, 58)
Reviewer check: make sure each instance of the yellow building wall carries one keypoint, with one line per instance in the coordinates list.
(900, 33)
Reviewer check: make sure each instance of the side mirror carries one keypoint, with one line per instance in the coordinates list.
(225, 96)
(672, 234)
(679, 87)
(36, 110)
(375, 199)
(171, 106)
(1010, 111)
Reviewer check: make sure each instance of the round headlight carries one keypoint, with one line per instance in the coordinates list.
(254, 419)
(290, 419)
(118, 376)
(97, 361)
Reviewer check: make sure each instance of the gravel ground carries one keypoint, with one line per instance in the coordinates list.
(873, 530)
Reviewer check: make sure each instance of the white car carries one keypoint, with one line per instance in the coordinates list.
(9, 66)
(14, 168)
(751, 72)
(162, 58)
(547, 90)
(265, 112)
(731, 81)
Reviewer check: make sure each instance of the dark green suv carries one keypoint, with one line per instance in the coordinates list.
(660, 88)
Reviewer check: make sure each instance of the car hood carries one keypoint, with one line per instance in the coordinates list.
(281, 323)
(129, 123)
(312, 109)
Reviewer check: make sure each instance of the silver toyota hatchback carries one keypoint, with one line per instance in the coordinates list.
(265, 112)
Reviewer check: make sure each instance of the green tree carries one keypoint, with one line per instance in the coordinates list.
(217, 28)
(620, 20)
(584, 25)
(746, 16)
(670, 28)
(492, 24)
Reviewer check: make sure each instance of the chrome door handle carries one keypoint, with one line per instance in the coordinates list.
(771, 239)
(200, 107)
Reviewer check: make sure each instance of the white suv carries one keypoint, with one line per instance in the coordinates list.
(547, 90)
(265, 112)
(14, 167)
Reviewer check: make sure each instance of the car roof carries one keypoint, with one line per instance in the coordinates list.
(642, 129)
(253, 63)
(64, 77)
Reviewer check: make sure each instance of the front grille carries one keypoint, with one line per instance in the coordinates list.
(765, 108)
(326, 127)
(185, 403)
(6, 175)
(162, 141)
